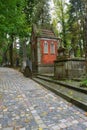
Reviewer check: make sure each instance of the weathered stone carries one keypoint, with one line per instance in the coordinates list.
(69, 68)
(27, 72)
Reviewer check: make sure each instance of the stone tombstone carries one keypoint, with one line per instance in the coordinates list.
(71, 53)
(61, 52)
(27, 72)
(69, 68)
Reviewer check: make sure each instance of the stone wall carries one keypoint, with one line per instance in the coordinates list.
(69, 68)
(46, 68)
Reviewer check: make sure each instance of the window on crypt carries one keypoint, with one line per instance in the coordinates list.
(52, 48)
(45, 47)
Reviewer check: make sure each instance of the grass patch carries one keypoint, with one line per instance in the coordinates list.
(84, 83)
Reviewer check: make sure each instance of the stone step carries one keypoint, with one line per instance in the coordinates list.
(77, 98)
(63, 83)
(46, 75)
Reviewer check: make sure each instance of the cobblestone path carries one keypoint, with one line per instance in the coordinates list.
(26, 105)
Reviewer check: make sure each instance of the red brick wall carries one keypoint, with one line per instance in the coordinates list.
(48, 58)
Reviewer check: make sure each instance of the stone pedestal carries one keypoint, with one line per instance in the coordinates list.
(69, 68)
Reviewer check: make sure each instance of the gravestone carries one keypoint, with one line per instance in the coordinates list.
(27, 72)
(69, 68)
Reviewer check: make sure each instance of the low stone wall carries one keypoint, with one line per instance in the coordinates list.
(46, 68)
(69, 68)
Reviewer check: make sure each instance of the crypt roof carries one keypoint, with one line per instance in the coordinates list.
(44, 32)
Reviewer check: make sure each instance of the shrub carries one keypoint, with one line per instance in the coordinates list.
(84, 83)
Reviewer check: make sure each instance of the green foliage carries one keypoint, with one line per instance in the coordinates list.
(0, 60)
(76, 25)
(12, 22)
(29, 7)
(69, 23)
(61, 20)
(84, 83)
(41, 15)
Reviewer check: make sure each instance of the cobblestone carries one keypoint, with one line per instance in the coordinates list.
(26, 105)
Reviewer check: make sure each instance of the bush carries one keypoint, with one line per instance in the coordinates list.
(83, 83)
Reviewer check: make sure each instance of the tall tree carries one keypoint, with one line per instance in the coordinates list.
(29, 7)
(61, 17)
(13, 20)
(85, 33)
(41, 15)
(76, 27)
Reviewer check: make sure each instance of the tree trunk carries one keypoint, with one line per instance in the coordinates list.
(24, 54)
(11, 54)
(11, 51)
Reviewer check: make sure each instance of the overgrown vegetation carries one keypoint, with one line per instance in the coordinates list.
(69, 22)
(84, 83)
